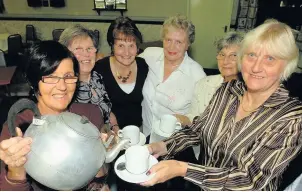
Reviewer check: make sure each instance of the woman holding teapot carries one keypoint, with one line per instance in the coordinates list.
(52, 73)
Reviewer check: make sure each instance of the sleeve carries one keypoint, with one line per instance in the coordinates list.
(5, 184)
(186, 137)
(104, 102)
(195, 109)
(266, 160)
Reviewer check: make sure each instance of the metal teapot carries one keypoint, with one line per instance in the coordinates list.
(66, 152)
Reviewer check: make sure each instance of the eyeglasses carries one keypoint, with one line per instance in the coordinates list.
(55, 79)
(81, 50)
(222, 56)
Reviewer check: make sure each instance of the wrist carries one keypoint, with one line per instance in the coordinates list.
(183, 168)
(16, 173)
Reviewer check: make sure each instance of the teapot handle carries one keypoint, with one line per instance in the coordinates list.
(16, 108)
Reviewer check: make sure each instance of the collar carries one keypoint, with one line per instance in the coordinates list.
(279, 97)
(182, 67)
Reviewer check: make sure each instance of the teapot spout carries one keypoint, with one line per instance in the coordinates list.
(111, 155)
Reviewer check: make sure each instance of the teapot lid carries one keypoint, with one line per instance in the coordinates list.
(80, 124)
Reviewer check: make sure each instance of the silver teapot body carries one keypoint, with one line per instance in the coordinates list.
(67, 151)
(66, 154)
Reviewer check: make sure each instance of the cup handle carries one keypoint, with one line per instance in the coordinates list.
(120, 133)
(178, 126)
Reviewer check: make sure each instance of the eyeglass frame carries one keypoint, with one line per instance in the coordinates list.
(85, 49)
(227, 56)
(59, 78)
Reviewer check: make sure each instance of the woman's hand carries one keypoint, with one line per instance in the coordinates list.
(13, 152)
(166, 170)
(184, 120)
(157, 149)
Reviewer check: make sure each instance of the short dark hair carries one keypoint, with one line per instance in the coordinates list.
(44, 58)
(125, 26)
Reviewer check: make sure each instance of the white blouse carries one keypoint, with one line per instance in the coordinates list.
(203, 93)
(174, 95)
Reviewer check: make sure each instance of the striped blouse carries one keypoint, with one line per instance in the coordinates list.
(250, 154)
(94, 92)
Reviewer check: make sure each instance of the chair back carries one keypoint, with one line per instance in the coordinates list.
(30, 34)
(56, 33)
(2, 59)
(14, 44)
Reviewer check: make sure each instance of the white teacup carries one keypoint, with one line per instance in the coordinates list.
(137, 159)
(131, 132)
(168, 123)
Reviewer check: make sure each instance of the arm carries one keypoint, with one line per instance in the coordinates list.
(104, 101)
(267, 159)
(13, 175)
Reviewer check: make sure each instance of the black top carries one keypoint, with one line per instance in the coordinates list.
(126, 107)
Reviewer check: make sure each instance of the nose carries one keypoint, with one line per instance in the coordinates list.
(257, 66)
(127, 51)
(61, 85)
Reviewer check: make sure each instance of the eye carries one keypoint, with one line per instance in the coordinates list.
(251, 54)
(178, 42)
(270, 58)
(79, 49)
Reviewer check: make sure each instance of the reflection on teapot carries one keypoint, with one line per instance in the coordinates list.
(66, 152)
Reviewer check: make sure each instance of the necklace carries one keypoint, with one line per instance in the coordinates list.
(123, 79)
(246, 110)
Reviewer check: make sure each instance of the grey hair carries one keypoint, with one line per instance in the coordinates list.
(230, 39)
(179, 22)
(70, 33)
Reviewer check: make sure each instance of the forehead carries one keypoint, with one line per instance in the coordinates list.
(66, 66)
(175, 33)
(81, 41)
(230, 49)
(120, 37)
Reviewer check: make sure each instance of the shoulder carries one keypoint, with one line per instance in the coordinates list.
(102, 65)
(212, 80)
(195, 68)
(152, 53)
(91, 111)
(141, 62)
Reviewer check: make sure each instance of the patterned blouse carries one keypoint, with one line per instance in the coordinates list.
(250, 154)
(94, 92)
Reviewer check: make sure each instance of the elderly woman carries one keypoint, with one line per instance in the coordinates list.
(124, 74)
(52, 73)
(172, 73)
(251, 130)
(227, 50)
(83, 44)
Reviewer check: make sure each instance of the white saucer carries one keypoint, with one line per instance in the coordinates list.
(159, 132)
(132, 178)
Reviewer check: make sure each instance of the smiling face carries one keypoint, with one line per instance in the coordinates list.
(54, 98)
(125, 50)
(85, 52)
(227, 61)
(261, 71)
(175, 44)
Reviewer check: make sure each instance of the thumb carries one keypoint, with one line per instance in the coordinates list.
(19, 132)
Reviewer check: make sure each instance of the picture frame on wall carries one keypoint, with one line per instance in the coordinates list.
(99, 4)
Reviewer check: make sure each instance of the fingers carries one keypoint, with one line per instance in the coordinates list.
(155, 169)
(5, 144)
(13, 150)
(19, 132)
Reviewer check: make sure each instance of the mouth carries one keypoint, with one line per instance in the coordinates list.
(86, 61)
(256, 76)
(172, 53)
(59, 96)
